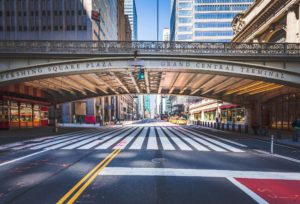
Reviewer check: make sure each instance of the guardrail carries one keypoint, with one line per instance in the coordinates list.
(155, 47)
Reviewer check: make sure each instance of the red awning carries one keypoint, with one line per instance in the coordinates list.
(228, 106)
(211, 109)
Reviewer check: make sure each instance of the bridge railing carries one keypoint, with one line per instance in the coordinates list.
(103, 47)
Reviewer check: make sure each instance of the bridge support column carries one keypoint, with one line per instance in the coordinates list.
(103, 109)
(109, 109)
(55, 122)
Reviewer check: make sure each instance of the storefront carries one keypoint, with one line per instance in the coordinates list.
(22, 113)
(233, 114)
(210, 115)
(279, 113)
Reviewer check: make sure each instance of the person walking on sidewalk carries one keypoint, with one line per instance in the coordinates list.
(296, 126)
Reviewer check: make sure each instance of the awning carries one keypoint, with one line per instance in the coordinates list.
(210, 109)
(228, 106)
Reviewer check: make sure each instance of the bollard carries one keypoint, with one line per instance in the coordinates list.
(272, 144)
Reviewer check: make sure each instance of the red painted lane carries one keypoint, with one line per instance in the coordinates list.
(274, 191)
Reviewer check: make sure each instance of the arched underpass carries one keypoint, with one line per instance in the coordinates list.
(59, 72)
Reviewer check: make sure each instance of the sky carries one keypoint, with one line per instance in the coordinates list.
(146, 12)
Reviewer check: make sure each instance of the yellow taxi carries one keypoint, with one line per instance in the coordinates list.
(181, 121)
(173, 119)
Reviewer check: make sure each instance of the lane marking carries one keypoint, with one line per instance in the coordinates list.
(103, 139)
(137, 144)
(112, 141)
(152, 143)
(88, 178)
(223, 145)
(278, 156)
(246, 190)
(88, 139)
(128, 139)
(129, 171)
(223, 139)
(24, 157)
(202, 141)
(166, 144)
(182, 146)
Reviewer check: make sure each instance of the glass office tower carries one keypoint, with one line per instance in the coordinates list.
(205, 20)
(130, 10)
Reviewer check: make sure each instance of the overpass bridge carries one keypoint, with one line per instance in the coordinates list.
(65, 71)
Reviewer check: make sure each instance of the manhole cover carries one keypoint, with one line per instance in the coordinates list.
(158, 160)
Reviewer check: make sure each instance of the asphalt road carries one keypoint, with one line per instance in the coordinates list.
(147, 163)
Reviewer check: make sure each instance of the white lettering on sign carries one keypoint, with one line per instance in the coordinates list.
(214, 67)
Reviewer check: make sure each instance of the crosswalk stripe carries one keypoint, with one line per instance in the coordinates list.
(54, 138)
(196, 145)
(122, 144)
(139, 141)
(78, 144)
(204, 142)
(102, 139)
(177, 141)
(47, 144)
(114, 140)
(166, 144)
(152, 143)
(231, 148)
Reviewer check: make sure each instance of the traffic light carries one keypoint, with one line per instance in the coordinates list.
(141, 75)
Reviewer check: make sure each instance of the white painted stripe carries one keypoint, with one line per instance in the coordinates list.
(122, 144)
(225, 146)
(166, 144)
(21, 158)
(112, 141)
(279, 156)
(246, 190)
(196, 145)
(177, 141)
(57, 139)
(15, 144)
(78, 144)
(204, 142)
(139, 141)
(55, 142)
(102, 139)
(152, 143)
(131, 171)
(226, 140)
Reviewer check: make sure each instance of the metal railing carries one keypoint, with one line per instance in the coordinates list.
(150, 47)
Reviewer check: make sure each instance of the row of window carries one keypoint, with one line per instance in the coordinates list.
(214, 33)
(214, 15)
(44, 13)
(224, 1)
(213, 25)
(221, 7)
(43, 28)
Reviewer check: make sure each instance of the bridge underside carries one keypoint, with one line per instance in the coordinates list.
(67, 88)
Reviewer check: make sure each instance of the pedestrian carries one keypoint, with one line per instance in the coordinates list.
(296, 126)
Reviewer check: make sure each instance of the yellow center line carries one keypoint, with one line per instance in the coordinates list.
(79, 192)
(67, 195)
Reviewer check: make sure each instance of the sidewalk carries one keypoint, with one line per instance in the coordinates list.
(285, 140)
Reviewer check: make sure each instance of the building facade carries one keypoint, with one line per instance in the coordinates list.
(268, 21)
(58, 19)
(83, 20)
(130, 11)
(204, 20)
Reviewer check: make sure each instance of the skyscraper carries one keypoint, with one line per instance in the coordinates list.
(58, 20)
(205, 20)
(130, 10)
